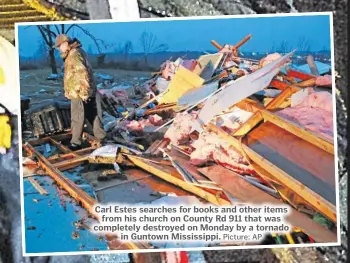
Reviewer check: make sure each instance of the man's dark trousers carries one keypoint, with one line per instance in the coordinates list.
(90, 112)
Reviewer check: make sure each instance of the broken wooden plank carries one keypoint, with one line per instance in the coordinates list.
(123, 183)
(302, 160)
(299, 131)
(238, 90)
(250, 194)
(153, 146)
(299, 75)
(71, 162)
(77, 193)
(315, 200)
(313, 68)
(61, 147)
(37, 186)
(161, 173)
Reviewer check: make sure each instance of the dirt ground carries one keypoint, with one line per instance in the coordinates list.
(34, 83)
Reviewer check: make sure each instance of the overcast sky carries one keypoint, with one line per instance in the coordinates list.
(195, 35)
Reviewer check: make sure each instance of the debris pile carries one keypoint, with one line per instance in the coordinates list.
(223, 128)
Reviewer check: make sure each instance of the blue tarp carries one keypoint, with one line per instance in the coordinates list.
(322, 68)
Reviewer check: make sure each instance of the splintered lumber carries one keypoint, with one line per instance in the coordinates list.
(313, 68)
(277, 101)
(61, 147)
(153, 146)
(171, 176)
(315, 200)
(216, 44)
(307, 163)
(238, 90)
(263, 114)
(76, 192)
(250, 194)
(242, 42)
(71, 163)
(235, 47)
(37, 186)
(299, 75)
(299, 131)
(79, 195)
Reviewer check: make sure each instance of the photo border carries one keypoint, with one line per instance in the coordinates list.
(140, 20)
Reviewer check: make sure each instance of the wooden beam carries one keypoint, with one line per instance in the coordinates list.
(249, 124)
(72, 162)
(76, 192)
(299, 75)
(61, 147)
(158, 171)
(314, 199)
(37, 186)
(299, 131)
(277, 101)
(60, 157)
(247, 193)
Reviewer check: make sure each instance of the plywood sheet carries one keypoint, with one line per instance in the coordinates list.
(304, 161)
(248, 193)
(212, 59)
(183, 81)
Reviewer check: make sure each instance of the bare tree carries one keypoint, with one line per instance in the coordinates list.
(127, 49)
(303, 44)
(42, 52)
(284, 47)
(273, 48)
(149, 45)
(49, 33)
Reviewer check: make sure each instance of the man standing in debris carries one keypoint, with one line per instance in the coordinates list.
(80, 88)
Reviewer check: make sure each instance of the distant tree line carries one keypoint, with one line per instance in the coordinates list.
(48, 33)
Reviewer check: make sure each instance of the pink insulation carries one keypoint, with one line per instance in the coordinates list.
(210, 147)
(325, 81)
(181, 127)
(156, 120)
(153, 120)
(315, 113)
(269, 58)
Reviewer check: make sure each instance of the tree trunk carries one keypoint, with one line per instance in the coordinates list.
(100, 60)
(53, 61)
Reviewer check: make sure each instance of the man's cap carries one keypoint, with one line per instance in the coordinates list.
(60, 39)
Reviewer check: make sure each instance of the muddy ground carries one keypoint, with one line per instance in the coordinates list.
(34, 83)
